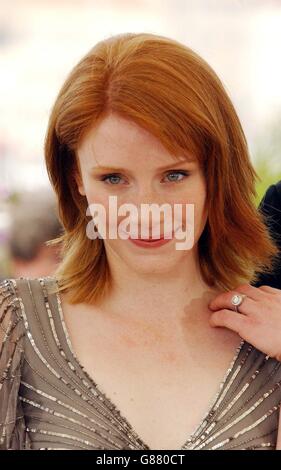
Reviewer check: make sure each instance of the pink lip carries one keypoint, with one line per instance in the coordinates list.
(149, 243)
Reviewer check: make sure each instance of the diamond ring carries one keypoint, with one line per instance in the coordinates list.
(237, 300)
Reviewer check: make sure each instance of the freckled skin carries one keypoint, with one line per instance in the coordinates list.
(113, 142)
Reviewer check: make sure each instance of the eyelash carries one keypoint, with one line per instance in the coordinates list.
(181, 172)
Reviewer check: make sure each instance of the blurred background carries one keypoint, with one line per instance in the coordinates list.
(40, 42)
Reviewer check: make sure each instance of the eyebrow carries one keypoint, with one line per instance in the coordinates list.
(118, 169)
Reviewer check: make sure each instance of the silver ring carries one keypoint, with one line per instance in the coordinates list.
(237, 300)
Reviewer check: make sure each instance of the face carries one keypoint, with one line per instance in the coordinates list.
(119, 158)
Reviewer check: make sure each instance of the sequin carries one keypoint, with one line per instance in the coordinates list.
(57, 405)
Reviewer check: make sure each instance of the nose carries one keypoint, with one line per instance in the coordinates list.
(149, 191)
(148, 195)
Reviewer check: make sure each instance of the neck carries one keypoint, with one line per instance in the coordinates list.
(157, 295)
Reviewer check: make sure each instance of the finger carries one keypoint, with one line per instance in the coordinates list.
(253, 292)
(223, 301)
(270, 290)
(228, 319)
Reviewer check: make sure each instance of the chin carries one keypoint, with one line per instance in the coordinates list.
(154, 265)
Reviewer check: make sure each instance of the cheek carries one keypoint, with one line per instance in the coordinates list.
(196, 194)
(96, 195)
(200, 216)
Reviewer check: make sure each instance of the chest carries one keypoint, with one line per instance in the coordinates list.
(162, 388)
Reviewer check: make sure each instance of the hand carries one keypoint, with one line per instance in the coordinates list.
(259, 318)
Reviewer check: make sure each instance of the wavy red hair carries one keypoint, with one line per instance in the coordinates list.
(169, 90)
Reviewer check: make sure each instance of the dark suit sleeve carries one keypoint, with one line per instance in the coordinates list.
(270, 207)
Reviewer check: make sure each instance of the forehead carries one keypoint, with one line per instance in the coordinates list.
(119, 141)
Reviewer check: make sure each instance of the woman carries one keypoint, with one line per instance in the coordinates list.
(115, 351)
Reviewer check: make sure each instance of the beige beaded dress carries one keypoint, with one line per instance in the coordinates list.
(48, 401)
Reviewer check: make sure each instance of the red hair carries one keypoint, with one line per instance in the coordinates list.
(169, 90)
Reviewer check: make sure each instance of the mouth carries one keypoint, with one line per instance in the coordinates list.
(151, 239)
(150, 242)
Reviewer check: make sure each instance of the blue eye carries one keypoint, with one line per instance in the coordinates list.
(181, 172)
(111, 177)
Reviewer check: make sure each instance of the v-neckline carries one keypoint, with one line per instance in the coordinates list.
(111, 404)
